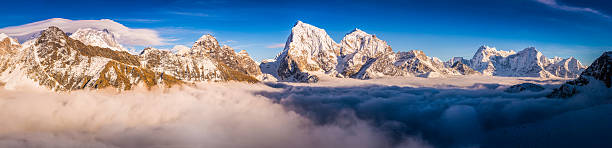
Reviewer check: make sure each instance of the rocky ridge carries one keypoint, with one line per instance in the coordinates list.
(62, 63)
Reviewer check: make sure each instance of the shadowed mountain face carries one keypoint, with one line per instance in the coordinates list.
(443, 117)
(61, 63)
(597, 77)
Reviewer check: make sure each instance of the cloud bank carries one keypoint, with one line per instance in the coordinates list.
(211, 115)
(480, 115)
(279, 115)
(556, 5)
(124, 35)
(279, 45)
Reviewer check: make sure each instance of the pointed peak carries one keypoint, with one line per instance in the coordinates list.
(243, 53)
(417, 52)
(357, 30)
(530, 49)
(53, 31)
(302, 25)
(609, 53)
(298, 23)
(206, 37)
(484, 47)
(148, 49)
(2, 36)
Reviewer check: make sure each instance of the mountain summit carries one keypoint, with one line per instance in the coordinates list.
(309, 53)
(62, 63)
(101, 38)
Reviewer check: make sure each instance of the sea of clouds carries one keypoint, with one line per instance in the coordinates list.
(235, 115)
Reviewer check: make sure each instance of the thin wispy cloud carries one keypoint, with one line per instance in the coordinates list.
(125, 35)
(229, 42)
(279, 45)
(556, 5)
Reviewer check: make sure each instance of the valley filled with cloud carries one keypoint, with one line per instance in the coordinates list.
(392, 112)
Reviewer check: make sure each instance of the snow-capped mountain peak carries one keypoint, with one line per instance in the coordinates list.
(484, 53)
(359, 40)
(308, 49)
(528, 62)
(357, 30)
(206, 41)
(124, 35)
(95, 37)
(243, 53)
(181, 49)
(4, 36)
(148, 50)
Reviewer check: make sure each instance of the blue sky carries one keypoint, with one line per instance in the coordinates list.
(442, 28)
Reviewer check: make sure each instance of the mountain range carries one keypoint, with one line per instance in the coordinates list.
(92, 57)
(309, 52)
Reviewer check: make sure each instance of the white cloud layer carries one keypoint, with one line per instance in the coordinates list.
(124, 35)
(213, 115)
(556, 5)
(279, 45)
(443, 112)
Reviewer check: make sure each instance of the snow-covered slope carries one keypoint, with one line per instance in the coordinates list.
(123, 34)
(565, 68)
(101, 38)
(485, 58)
(308, 51)
(358, 53)
(417, 63)
(529, 62)
(596, 78)
(61, 63)
(180, 49)
(11, 40)
(225, 56)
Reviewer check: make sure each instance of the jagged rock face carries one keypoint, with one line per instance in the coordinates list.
(246, 62)
(357, 48)
(419, 64)
(206, 60)
(600, 70)
(454, 60)
(181, 49)
(379, 67)
(524, 87)
(485, 58)
(101, 38)
(565, 68)
(8, 50)
(308, 50)
(62, 63)
(527, 63)
(209, 46)
(186, 68)
(463, 68)
(7, 45)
